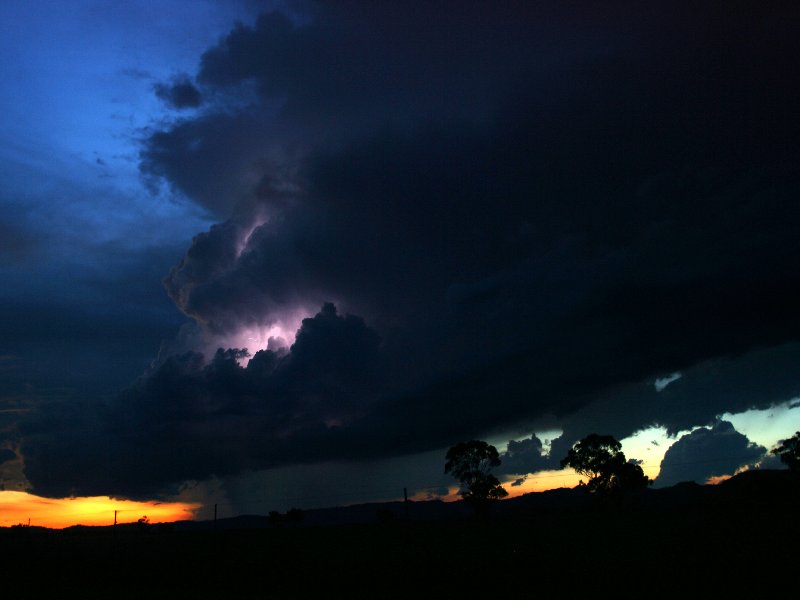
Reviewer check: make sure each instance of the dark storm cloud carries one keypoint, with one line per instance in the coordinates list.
(381, 63)
(534, 207)
(522, 457)
(638, 184)
(6, 455)
(192, 418)
(204, 158)
(707, 452)
(210, 257)
(758, 379)
(179, 93)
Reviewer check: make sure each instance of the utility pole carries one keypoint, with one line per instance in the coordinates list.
(215, 515)
(115, 518)
(405, 501)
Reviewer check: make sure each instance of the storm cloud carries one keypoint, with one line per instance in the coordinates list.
(707, 452)
(415, 181)
(192, 418)
(6, 455)
(522, 457)
(180, 93)
(524, 213)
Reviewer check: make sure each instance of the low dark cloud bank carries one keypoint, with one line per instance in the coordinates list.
(520, 210)
(192, 418)
(707, 452)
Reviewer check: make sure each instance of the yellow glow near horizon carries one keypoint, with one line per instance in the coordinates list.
(57, 513)
(540, 482)
(648, 445)
(543, 481)
(424, 495)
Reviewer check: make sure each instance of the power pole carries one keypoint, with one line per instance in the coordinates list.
(215, 515)
(115, 518)
(405, 501)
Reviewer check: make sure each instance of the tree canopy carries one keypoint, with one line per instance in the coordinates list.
(789, 452)
(601, 460)
(471, 463)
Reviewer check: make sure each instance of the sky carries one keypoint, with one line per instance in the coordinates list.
(276, 254)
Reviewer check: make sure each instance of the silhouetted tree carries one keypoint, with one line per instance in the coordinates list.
(630, 476)
(472, 463)
(789, 452)
(600, 458)
(144, 523)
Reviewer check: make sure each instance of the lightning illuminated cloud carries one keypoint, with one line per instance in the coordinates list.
(511, 216)
(233, 311)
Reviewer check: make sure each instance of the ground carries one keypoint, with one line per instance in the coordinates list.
(740, 544)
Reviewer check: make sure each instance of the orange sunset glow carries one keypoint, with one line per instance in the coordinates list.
(543, 481)
(57, 513)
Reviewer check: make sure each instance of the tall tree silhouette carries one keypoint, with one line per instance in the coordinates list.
(601, 460)
(472, 463)
(789, 452)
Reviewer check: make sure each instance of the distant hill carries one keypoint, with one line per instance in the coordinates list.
(767, 487)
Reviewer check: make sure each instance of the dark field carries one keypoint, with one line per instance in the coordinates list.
(692, 542)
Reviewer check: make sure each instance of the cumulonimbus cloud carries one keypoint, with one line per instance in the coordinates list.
(530, 207)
